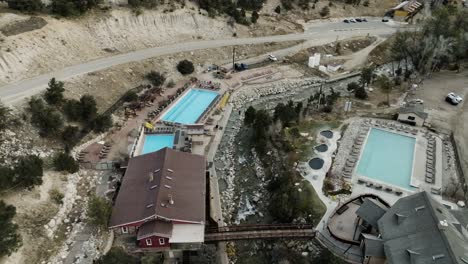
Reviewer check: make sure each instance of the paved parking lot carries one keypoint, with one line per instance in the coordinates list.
(443, 115)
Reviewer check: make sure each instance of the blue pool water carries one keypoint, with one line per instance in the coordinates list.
(388, 157)
(190, 107)
(156, 142)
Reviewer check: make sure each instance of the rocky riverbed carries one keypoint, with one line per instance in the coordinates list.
(242, 179)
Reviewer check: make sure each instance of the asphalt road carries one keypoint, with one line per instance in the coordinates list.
(12, 93)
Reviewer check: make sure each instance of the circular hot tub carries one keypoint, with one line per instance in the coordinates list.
(321, 148)
(327, 133)
(316, 163)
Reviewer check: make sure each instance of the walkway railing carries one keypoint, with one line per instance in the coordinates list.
(343, 252)
(243, 232)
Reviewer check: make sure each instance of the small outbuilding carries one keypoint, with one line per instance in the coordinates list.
(412, 114)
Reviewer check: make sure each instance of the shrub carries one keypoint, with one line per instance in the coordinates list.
(56, 196)
(130, 96)
(7, 177)
(327, 186)
(254, 17)
(156, 78)
(295, 132)
(360, 93)
(278, 10)
(399, 71)
(84, 110)
(65, 162)
(397, 81)
(170, 84)
(185, 67)
(287, 4)
(353, 86)
(325, 11)
(72, 7)
(117, 256)
(143, 3)
(102, 123)
(99, 211)
(47, 119)
(70, 136)
(249, 117)
(10, 240)
(327, 109)
(28, 6)
(72, 109)
(5, 115)
(153, 258)
(88, 108)
(366, 3)
(28, 171)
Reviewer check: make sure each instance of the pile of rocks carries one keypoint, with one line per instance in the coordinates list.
(74, 204)
(249, 204)
(253, 92)
(68, 201)
(225, 156)
(17, 144)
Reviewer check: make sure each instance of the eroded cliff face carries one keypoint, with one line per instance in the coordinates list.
(66, 42)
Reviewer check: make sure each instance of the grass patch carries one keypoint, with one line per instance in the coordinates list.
(302, 145)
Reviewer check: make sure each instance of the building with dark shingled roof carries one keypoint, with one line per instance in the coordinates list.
(161, 200)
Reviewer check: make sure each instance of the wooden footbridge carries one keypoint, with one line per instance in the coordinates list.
(243, 232)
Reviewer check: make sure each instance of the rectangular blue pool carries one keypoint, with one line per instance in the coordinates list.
(156, 142)
(388, 157)
(189, 108)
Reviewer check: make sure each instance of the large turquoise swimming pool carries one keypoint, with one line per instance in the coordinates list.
(388, 157)
(189, 108)
(156, 142)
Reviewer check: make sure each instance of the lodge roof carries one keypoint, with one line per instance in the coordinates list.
(166, 184)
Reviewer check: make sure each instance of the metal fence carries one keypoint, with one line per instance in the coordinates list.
(341, 251)
(460, 172)
(103, 165)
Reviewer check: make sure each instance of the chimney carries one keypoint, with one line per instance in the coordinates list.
(171, 201)
(400, 218)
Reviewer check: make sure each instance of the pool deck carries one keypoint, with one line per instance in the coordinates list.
(417, 177)
(418, 174)
(181, 96)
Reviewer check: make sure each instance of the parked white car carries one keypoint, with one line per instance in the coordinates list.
(453, 98)
(272, 57)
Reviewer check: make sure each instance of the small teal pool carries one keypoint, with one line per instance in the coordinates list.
(189, 108)
(156, 142)
(388, 157)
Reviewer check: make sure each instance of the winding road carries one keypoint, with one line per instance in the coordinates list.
(323, 32)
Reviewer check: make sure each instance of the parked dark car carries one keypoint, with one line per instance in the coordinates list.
(240, 66)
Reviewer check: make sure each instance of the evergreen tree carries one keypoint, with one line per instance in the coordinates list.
(54, 93)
